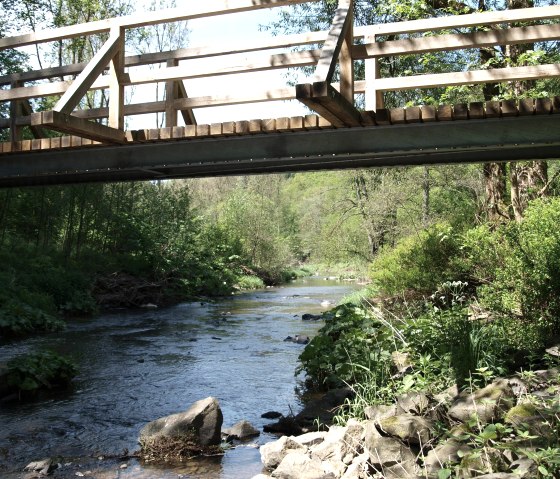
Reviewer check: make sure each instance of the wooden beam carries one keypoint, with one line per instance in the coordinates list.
(457, 41)
(188, 114)
(77, 126)
(332, 46)
(116, 82)
(84, 81)
(16, 111)
(346, 62)
(36, 131)
(463, 21)
(171, 93)
(328, 102)
(373, 98)
(496, 75)
(195, 10)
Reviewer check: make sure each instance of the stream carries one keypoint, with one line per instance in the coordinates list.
(137, 366)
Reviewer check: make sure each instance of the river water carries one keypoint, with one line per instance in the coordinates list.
(138, 366)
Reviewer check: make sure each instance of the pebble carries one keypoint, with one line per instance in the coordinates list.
(123, 466)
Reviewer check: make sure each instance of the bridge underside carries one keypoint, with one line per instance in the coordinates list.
(500, 139)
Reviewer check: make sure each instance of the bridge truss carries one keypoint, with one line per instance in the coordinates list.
(96, 146)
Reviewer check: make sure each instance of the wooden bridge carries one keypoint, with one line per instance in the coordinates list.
(95, 145)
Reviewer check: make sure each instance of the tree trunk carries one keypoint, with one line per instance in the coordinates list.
(495, 187)
(426, 197)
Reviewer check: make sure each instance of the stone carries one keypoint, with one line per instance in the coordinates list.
(311, 438)
(449, 452)
(332, 450)
(524, 468)
(311, 317)
(44, 467)
(271, 415)
(554, 350)
(408, 428)
(324, 408)
(377, 413)
(241, 430)
(359, 468)
(297, 465)
(413, 403)
(499, 475)
(201, 423)
(273, 453)
(526, 415)
(487, 404)
(385, 452)
(447, 396)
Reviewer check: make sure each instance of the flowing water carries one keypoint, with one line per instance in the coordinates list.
(138, 366)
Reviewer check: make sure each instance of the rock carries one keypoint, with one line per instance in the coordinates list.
(378, 413)
(445, 453)
(297, 465)
(271, 415)
(285, 425)
(324, 408)
(299, 339)
(311, 317)
(391, 456)
(447, 396)
(488, 404)
(332, 450)
(199, 426)
(149, 306)
(413, 403)
(358, 469)
(241, 430)
(311, 438)
(44, 467)
(535, 421)
(524, 468)
(408, 428)
(492, 459)
(499, 475)
(554, 350)
(273, 453)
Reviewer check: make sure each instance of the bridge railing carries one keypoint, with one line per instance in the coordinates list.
(340, 47)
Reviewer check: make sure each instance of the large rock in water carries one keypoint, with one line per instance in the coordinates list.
(185, 433)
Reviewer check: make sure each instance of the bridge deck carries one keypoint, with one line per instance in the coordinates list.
(339, 135)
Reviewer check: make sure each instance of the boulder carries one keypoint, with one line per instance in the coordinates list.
(311, 317)
(311, 438)
(413, 403)
(241, 430)
(535, 421)
(332, 451)
(408, 428)
(44, 467)
(324, 408)
(273, 453)
(359, 468)
(191, 431)
(445, 453)
(380, 412)
(487, 404)
(271, 415)
(390, 454)
(298, 465)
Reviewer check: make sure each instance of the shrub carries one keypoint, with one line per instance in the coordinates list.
(19, 319)
(420, 262)
(45, 370)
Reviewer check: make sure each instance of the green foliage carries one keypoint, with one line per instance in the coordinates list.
(43, 370)
(420, 262)
(249, 282)
(19, 319)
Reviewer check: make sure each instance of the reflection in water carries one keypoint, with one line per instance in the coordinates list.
(138, 366)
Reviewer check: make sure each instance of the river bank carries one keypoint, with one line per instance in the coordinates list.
(136, 366)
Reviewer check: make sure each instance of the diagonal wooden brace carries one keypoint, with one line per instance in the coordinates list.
(328, 102)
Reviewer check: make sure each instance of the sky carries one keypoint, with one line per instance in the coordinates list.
(221, 29)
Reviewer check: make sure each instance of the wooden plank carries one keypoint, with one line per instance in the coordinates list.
(166, 133)
(311, 122)
(188, 114)
(368, 118)
(242, 127)
(461, 111)
(45, 143)
(283, 124)
(56, 143)
(178, 132)
(458, 21)
(428, 113)
(496, 75)
(255, 126)
(509, 108)
(153, 134)
(382, 116)
(216, 129)
(304, 93)
(526, 106)
(268, 125)
(398, 116)
(476, 110)
(84, 81)
(69, 124)
(413, 114)
(345, 60)
(190, 131)
(116, 82)
(296, 123)
(492, 109)
(444, 113)
(331, 48)
(171, 93)
(462, 41)
(228, 128)
(543, 106)
(66, 142)
(555, 104)
(202, 130)
(334, 102)
(196, 10)
(324, 124)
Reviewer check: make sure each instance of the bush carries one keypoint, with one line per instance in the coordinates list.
(249, 282)
(18, 319)
(44, 370)
(420, 262)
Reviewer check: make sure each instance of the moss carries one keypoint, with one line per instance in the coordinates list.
(519, 413)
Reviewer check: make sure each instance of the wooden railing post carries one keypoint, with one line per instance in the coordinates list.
(171, 94)
(345, 59)
(373, 97)
(16, 111)
(116, 85)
